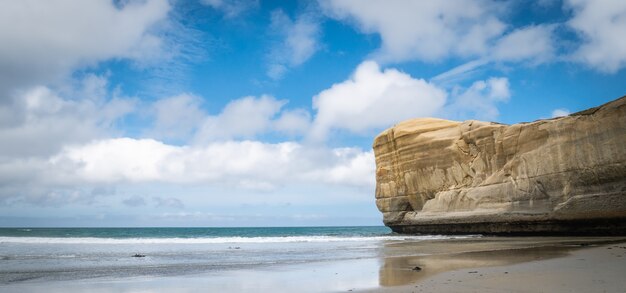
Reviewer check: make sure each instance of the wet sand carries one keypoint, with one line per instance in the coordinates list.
(510, 265)
(482, 264)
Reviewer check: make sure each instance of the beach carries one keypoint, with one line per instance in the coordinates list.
(340, 259)
(565, 265)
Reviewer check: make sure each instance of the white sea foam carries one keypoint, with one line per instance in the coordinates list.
(218, 240)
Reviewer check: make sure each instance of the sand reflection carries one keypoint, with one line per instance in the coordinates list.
(398, 269)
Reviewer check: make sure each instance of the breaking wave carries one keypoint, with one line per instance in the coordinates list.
(220, 240)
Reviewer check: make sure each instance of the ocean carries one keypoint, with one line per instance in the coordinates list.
(42, 255)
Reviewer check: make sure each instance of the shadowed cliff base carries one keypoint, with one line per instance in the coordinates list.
(560, 176)
(595, 227)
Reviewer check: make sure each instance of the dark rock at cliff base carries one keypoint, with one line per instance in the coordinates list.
(563, 175)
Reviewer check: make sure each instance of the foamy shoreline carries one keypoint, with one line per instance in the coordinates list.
(220, 240)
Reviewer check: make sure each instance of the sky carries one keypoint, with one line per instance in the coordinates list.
(262, 113)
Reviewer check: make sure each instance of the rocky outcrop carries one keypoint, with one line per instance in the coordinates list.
(563, 175)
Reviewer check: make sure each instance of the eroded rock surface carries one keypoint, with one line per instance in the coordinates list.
(558, 176)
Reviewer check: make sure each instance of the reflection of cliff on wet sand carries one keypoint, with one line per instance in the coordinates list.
(474, 253)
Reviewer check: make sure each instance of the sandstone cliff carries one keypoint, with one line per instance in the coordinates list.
(558, 176)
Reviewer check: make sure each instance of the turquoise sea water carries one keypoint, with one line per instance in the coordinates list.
(62, 254)
(188, 233)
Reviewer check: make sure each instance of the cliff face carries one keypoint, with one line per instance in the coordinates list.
(558, 176)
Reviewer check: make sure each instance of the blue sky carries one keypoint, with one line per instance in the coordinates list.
(262, 113)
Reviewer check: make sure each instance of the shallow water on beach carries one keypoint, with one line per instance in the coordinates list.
(41, 255)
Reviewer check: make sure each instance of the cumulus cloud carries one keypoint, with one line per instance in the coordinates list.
(72, 175)
(427, 31)
(560, 112)
(602, 27)
(299, 41)
(41, 123)
(176, 117)
(42, 120)
(45, 41)
(356, 171)
(433, 31)
(250, 116)
(424, 30)
(244, 164)
(245, 117)
(113, 160)
(480, 100)
(293, 122)
(78, 158)
(532, 43)
(373, 98)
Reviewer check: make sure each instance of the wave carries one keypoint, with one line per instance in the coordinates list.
(220, 240)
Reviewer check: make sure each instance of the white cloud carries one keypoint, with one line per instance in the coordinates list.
(176, 117)
(602, 27)
(373, 99)
(460, 72)
(356, 171)
(424, 30)
(480, 100)
(250, 116)
(88, 111)
(498, 88)
(232, 8)
(77, 157)
(276, 71)
(241, 118)
(533, 43)
(299, 41)
(433, 31)
(45, 41)
(113, 160)
(560, 112)
(294, 122)
(41, 121)
(243, 164)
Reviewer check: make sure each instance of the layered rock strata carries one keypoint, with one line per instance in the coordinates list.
(563, 175)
